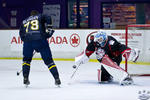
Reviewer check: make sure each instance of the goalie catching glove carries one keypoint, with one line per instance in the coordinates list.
(131, 54)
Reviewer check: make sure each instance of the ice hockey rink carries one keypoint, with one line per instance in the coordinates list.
(83, 86)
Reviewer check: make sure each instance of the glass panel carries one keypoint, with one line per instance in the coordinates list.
(72, 18)
(147, 13)
(72, 14)
(120, 15)
(84, 14)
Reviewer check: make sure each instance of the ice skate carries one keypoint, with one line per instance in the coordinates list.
(127, 81)
(26, 82)
(57, 82)
(109, 80)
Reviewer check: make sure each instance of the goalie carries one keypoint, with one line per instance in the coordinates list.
(109, 53)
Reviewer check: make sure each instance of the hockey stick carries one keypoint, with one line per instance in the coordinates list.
(74, 71)
(19, 72)
(80, 59)
(73, 74)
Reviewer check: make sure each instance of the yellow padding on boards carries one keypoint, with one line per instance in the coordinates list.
(26, 64)
(65, 59)
(51, 67)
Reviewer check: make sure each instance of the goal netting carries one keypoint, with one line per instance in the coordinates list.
(138, 36)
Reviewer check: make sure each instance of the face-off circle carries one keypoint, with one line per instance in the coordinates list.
(74, 40)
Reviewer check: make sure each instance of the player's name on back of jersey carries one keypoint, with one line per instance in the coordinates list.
(29, 19)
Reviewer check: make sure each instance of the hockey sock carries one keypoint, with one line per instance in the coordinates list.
(26, 69)
(54, 71)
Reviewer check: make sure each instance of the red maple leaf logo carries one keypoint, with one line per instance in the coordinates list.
(74, 40)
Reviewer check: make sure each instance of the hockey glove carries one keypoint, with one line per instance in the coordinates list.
(49, 30)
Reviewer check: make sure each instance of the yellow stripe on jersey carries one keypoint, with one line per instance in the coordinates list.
(51, 67)
(25, 64)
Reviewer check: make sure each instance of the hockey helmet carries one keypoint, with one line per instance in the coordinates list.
(101, 38)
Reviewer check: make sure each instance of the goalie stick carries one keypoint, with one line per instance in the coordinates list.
(73, 74)
(80, 59)
(19, 72)
(76, 68)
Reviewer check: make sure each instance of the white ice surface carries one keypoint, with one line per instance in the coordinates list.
(83, 86)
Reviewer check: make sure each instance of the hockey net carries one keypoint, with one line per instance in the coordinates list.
(138, 36)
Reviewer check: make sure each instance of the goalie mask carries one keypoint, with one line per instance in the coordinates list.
(101, 38)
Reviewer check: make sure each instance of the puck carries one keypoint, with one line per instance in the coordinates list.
(74, 66)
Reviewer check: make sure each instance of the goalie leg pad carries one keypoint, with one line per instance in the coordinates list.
(99, 75)
(118, 73)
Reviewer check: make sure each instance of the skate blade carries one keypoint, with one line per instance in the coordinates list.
(127, 84)
(26, 86)
(58, 86)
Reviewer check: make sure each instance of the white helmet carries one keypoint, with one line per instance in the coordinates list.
(101, 38)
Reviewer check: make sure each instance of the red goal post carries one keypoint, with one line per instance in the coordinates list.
(136, 35)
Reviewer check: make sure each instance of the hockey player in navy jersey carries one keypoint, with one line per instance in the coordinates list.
(109, 52)
(34, 32)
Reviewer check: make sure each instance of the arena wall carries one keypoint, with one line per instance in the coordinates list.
(68, 43)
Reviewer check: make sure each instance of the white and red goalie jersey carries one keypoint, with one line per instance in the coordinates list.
(112, 48)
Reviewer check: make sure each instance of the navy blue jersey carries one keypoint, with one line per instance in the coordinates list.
(33, 27)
